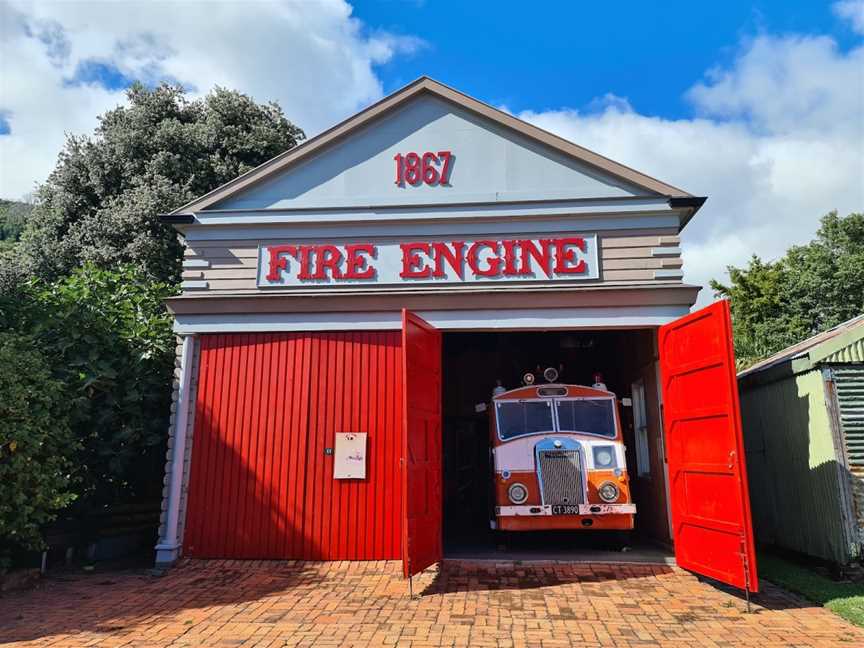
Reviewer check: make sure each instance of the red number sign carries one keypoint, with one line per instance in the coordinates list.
(414, 168)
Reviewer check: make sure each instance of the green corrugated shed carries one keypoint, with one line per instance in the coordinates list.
(802, 412)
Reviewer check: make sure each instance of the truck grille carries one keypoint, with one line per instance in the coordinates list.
(560, 476)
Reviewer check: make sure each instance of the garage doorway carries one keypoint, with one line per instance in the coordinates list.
(473, 365)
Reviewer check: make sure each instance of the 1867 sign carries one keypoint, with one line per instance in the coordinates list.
(303, 263)
(423, 168)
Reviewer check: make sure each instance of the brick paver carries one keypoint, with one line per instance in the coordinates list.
(237, 603)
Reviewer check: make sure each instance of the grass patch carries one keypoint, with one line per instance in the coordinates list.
(844, 599)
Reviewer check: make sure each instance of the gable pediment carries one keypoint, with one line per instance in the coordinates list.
(487, 163)
(493, 157)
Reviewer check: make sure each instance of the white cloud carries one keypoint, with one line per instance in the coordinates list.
(777, 143)
(853, 11)
(314, 58)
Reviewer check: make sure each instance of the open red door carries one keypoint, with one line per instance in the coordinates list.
(421, 445)
(707, 472)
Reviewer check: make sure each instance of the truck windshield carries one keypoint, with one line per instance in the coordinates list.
(593, 416)
(516, 418)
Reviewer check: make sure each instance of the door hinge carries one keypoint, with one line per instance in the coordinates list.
(745, 561)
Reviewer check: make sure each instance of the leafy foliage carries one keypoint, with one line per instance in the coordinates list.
(13, 218)
(101, 202)
(85, 286)
(811, 289)
(112, 351)
(35, 445)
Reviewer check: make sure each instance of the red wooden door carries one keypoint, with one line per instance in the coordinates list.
(421, 446)
(707, 472)
(269, 406)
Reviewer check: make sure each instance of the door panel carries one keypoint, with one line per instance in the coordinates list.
(707, 471)
(421, 462)
(268, 408)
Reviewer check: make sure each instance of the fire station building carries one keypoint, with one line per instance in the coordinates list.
(348, 307)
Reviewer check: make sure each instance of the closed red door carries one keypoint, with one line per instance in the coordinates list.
(711, 523)
(421, 446)
(269, 406)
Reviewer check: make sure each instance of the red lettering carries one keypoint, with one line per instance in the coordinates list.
(425, 260)
(493, 261)
(327, 257)
(454, 257)
(357, 265)
(446, 157)
(412, 265)
(565, 255)
(540, 255)
(305, 256)
(278, 261)
(510, 258)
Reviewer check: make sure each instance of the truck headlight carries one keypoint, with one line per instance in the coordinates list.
(517, 493)
(604, 457)
(608, 492)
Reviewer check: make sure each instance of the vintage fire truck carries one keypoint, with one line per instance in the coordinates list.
(558, 458)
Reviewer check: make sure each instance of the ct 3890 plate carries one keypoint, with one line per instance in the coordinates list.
(566, 509)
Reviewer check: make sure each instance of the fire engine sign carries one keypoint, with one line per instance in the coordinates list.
(560, 257)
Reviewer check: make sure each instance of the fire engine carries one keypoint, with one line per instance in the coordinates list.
(558, 458)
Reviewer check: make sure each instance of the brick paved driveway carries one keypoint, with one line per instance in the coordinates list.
(232, 603)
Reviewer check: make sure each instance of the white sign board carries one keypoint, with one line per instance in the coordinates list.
(553, 258)
(349, 456)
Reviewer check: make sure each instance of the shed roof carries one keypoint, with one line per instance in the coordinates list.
(843, 344)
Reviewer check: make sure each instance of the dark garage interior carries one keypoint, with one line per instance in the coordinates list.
(473, 362)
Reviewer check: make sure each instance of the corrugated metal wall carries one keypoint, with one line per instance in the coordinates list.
(851, 353)
(261, 485)
(849, 387)
(792, 467)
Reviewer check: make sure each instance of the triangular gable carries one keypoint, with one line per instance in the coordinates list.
(495, 157)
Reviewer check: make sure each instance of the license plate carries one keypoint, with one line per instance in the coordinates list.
(565, 509)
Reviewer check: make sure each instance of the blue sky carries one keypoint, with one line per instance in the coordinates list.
(757, 105)
(649, 52)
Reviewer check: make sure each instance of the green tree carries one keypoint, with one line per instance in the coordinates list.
(13, 218)
(87, 280)
(111, 347)
(36, 445)
(100, 204)
(810, 289)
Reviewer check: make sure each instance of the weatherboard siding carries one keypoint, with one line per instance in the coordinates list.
(624, 258)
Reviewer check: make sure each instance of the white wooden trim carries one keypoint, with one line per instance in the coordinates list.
(452, 320)
(668, 274)
(194, 285)
(385, 201)
(167, 550)
(430, 227)
(196, 263)
(429, 212)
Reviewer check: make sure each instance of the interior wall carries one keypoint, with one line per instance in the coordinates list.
(652, 489)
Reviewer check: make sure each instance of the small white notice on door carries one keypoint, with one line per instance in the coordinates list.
(349, 460)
